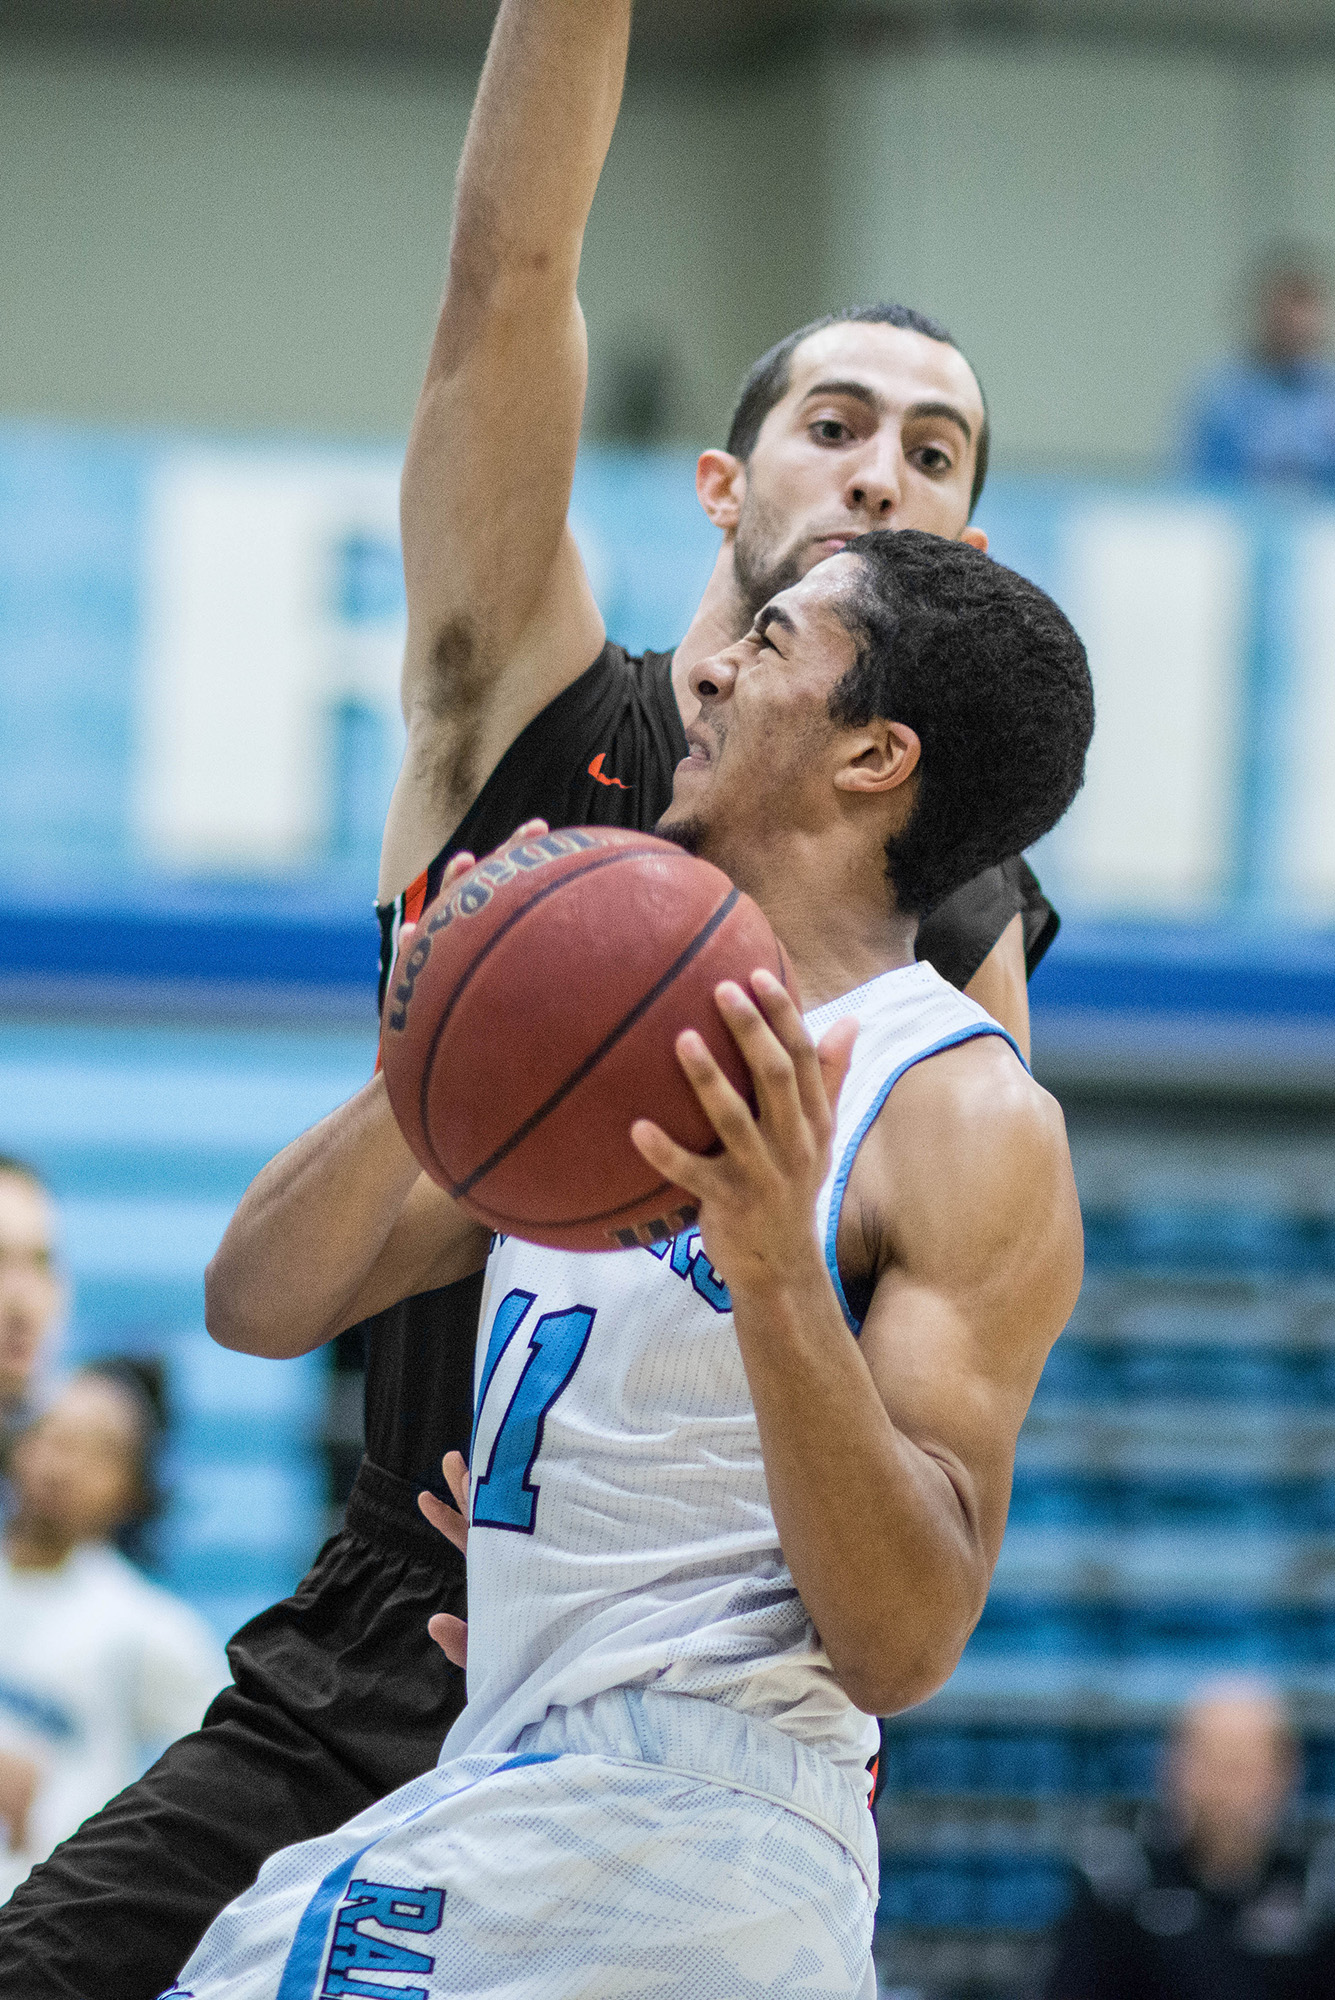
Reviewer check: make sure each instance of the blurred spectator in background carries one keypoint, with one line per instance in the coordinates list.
(98, 1667)
(1215, 1894)
(31, 1294)
(1270, 419)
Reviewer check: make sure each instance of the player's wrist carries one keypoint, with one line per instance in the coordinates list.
(789, 1286)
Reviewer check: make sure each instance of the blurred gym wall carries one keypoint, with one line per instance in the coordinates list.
(219, 242)
(256, 240)
(1081, 214)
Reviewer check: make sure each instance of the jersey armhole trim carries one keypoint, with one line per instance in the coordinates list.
(973, 1033)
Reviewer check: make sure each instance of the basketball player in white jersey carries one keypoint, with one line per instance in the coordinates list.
(515, 707)
(734, 1497)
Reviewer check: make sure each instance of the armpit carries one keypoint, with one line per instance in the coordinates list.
(446, 734)
(862, 1252)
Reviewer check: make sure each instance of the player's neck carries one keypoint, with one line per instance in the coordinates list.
(833, 921)
(826, 968)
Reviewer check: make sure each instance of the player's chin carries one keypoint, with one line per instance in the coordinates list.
(815, 553)
(692, 782)
(686, 829)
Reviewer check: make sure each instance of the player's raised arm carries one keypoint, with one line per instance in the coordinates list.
(500, 614)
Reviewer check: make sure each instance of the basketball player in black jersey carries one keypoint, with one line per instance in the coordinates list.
(873, 419)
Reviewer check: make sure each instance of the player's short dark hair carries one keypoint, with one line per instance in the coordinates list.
(767, 380)
(992, 677)
(19, 1170)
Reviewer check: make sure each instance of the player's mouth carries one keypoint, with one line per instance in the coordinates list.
(831, 545)
(699, 751)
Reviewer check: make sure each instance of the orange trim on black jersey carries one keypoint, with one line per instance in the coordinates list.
(414, 899)
(409, 906)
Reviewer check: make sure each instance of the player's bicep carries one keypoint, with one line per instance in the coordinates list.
(923, 1352)
(982, 1266)
(432, 1243)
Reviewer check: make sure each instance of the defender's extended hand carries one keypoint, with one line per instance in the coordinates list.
(450, 1633)
(758, 1197)
(459, 864)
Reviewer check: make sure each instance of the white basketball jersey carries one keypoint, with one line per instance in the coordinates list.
(621, 1528)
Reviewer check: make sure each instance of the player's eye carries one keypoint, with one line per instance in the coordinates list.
(830, 430)
(931, 458)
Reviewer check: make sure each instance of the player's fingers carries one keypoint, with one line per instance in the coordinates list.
(451, 1635)
(666, 1157)
(455, 1468)
(457, 865)
(772, 1072)
(790, 1030)
(727, 1111)
(529, 829)
(446, 1520)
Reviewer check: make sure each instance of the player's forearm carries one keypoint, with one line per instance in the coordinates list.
(309, 1229)
(500, 614)
(544, 116)
(887, 1560)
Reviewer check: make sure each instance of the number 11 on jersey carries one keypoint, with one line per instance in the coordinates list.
(505, 1495)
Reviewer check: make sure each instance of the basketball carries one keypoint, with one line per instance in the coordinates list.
(535, 1017)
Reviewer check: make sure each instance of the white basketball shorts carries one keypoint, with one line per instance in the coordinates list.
(642, 1844)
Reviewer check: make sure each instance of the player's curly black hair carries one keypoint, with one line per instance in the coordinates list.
(993, 678)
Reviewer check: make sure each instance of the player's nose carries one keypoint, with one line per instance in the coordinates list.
(875, 480)
(712, 679)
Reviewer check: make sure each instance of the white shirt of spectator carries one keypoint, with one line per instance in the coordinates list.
(99, 1670)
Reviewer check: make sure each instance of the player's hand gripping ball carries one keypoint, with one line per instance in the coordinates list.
(533, 1018)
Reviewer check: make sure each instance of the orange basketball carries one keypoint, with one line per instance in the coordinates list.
(534, 1018)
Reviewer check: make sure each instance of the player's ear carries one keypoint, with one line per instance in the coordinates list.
(879, 757)
(720, 486)
(976, 538)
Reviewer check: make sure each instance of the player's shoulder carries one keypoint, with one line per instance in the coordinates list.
(979, 1094)
(965, 1186)
(968, 1141)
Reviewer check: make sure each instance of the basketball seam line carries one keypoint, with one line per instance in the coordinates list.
(502, 931)
(609, 1041)
(514, 1225)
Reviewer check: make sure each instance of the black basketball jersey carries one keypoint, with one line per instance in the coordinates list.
(601, 754)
